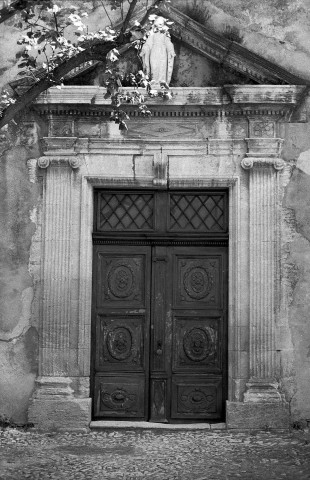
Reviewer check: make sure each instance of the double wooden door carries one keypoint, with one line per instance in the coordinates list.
(160, 332)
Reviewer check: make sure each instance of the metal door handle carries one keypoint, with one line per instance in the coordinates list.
(159, 350)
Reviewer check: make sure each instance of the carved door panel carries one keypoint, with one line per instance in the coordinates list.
(188, 357)
(121, 311)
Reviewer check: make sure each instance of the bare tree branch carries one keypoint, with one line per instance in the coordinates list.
(128, 16)
(96, 52)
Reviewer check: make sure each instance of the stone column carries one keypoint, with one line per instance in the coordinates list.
(263, 228)
(57, 401)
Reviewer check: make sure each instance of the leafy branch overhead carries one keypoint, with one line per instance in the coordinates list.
(49, 54)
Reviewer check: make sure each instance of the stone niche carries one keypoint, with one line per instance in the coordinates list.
(202, 138)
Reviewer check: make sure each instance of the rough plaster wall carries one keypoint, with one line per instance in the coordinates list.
(296, 271)
(279, 30)
(18, 316)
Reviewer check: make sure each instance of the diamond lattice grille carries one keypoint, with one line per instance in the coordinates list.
(199, 213)
(125, 211)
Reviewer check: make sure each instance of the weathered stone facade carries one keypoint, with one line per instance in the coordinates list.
(250, 139)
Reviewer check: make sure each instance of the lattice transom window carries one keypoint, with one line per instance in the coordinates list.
(162, 212)
(198, 212)
(125, 211)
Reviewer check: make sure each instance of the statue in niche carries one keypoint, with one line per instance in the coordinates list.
(158, 53)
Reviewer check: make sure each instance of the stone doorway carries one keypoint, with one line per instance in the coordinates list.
(160, 305)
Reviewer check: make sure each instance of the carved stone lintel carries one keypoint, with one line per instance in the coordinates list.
(72, 161)
(249, 162)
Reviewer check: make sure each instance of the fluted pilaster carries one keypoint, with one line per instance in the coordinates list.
(56, 307)
(263, 226)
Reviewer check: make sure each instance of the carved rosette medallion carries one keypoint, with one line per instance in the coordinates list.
(119, 400)
(121, 280)
(196, 400)
(119, 343)
(263, 129)
(196, 344)
(198, 281)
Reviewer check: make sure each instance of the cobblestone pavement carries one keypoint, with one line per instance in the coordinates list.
(158, 455)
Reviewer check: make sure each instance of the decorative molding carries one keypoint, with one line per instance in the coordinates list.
(248, 163)
(264, 147)
(66, 144)
(43, 162)
(32, 169)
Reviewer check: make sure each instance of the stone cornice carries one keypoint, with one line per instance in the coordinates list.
(215, 47)
(239, 95)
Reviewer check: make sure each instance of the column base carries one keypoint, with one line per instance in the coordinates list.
(262, 391)
(56, 407)
(257, 416)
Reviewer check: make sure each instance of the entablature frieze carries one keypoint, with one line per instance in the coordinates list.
(60, 147)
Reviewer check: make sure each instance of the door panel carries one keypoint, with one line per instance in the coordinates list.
(121, 312)
(196, 342)
(198, 278)
(120, 397)
(198, 372)
(196, 398)
(120, 343)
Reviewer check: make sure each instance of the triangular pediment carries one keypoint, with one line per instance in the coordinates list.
(226, 61)
(225, 52)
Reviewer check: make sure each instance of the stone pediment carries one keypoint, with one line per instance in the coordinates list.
(240, 65)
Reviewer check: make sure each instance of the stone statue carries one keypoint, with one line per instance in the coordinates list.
(158, 54)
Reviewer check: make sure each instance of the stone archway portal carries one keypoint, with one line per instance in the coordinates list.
(160, 305)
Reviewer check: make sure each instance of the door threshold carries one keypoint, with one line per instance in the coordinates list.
(125, 425)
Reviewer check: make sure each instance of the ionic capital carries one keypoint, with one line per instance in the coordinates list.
(59, 161)
(249, 162)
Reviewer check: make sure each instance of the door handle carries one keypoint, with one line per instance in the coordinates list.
(159, 350)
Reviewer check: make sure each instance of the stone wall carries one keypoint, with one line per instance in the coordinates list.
(275, 30)
(20, 271)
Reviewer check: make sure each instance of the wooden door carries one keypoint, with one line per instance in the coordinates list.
(121, 331)
(189, 330)
(159, 325)
(186, 358)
